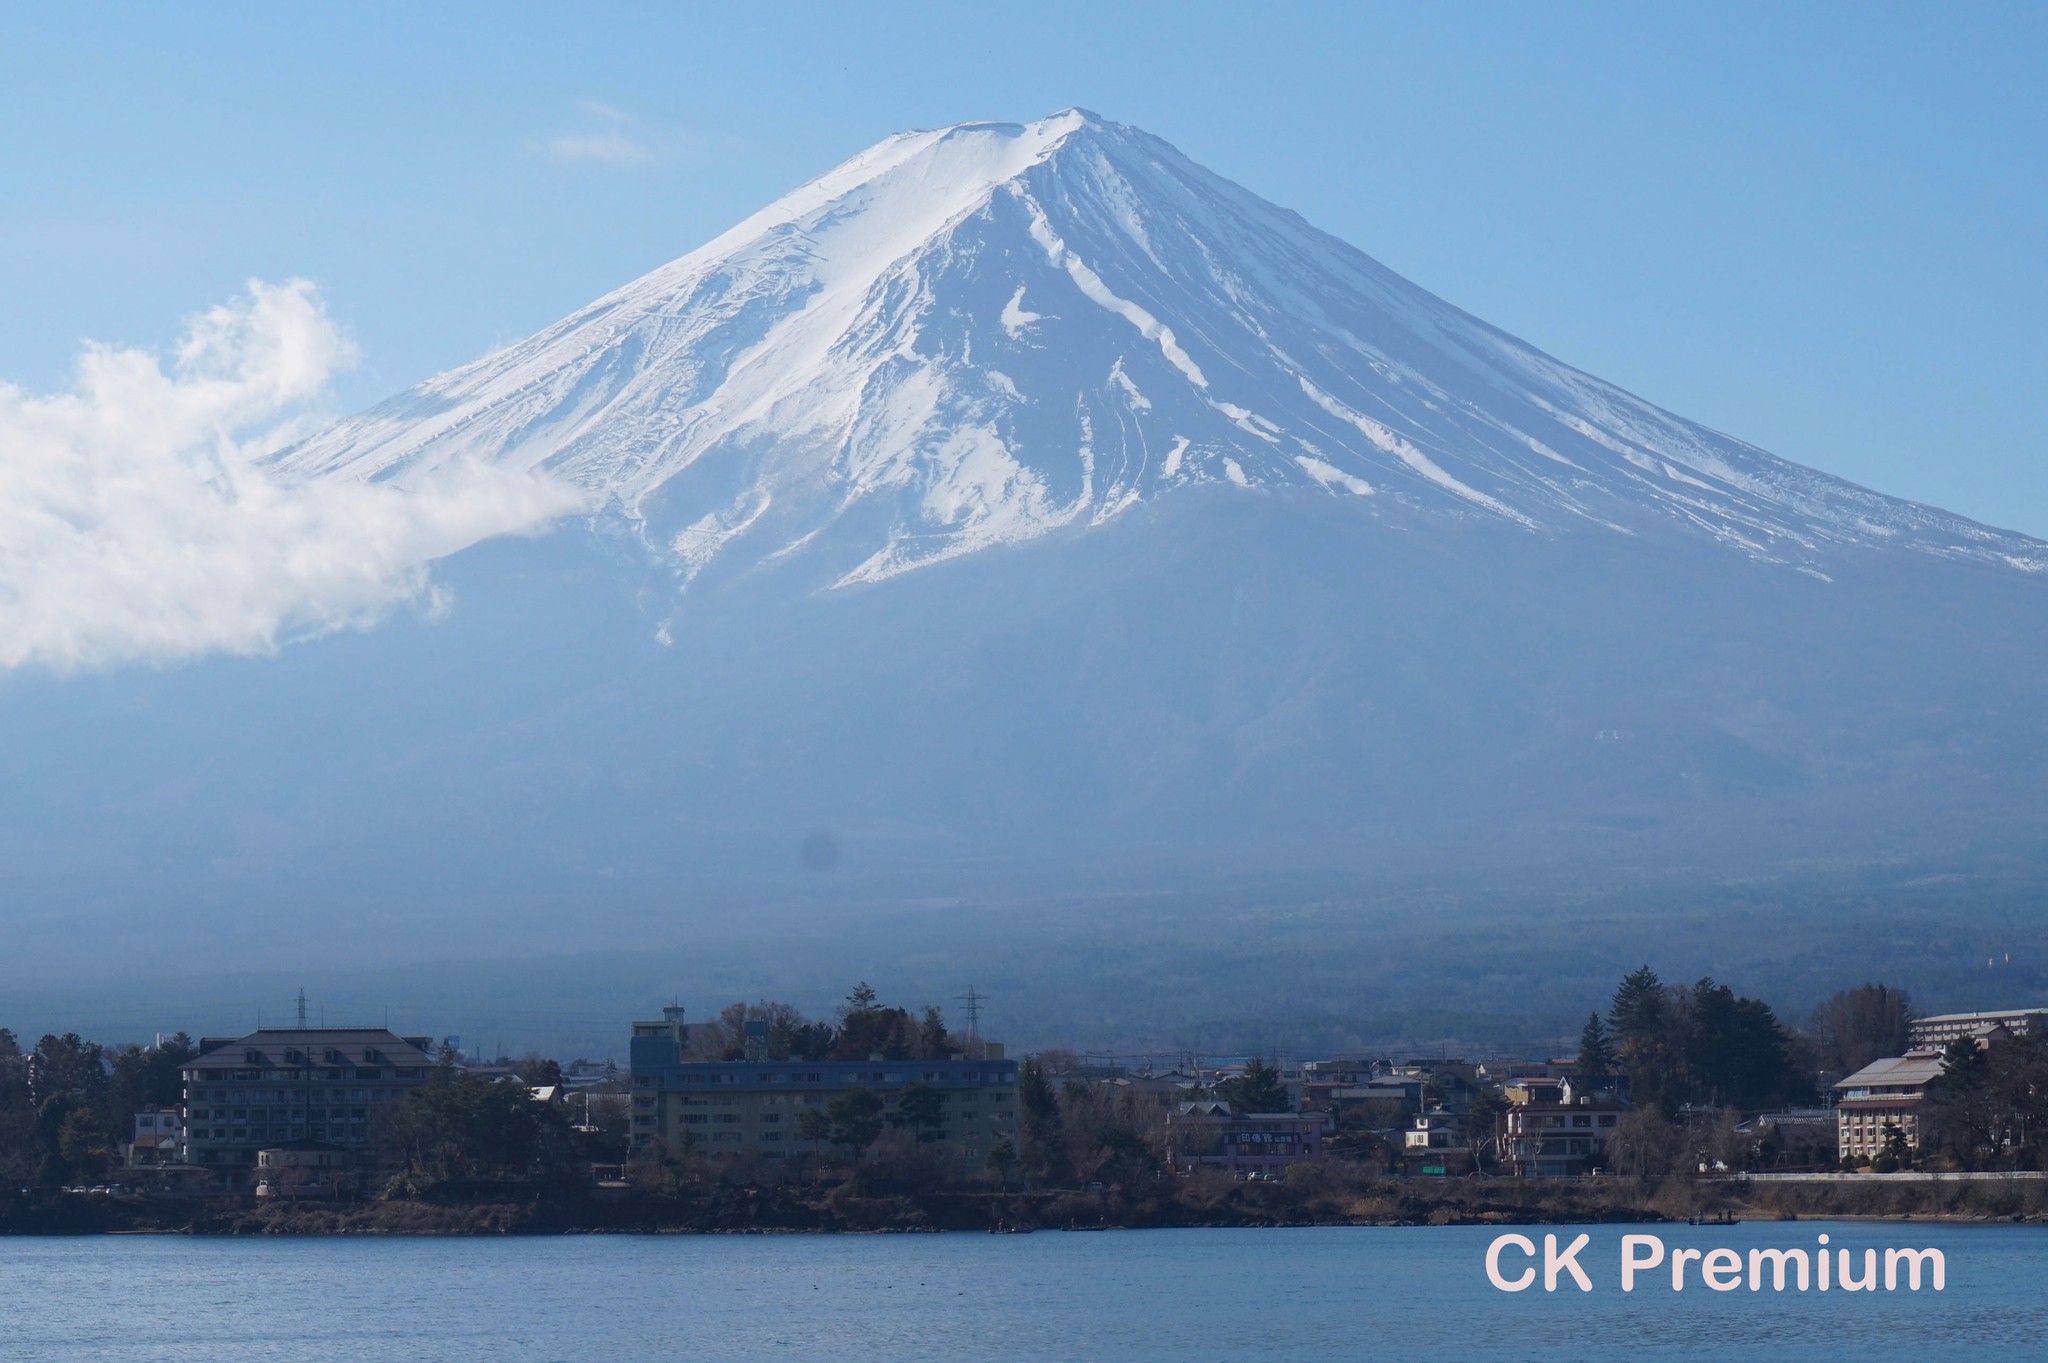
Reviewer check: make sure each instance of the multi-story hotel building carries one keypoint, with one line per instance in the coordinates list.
(752, 1106)
(1935, 1032)
(284, 1084)
(1884, 1094)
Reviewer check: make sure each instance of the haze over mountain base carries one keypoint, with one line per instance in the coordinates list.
(1239, 746)
(1021, 550)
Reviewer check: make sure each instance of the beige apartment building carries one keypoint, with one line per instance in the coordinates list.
(1885, 1093)
(1932, 1033)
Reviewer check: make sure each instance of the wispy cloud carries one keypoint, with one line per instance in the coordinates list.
(138, 521)
(612, 148)
(608, 145)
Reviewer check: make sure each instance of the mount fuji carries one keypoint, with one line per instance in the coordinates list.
(975, 337)
(1023, 510)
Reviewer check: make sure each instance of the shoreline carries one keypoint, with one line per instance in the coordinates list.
(1317, 1197)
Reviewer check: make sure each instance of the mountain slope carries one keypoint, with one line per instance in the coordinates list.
(972, 337)
(1053, 518)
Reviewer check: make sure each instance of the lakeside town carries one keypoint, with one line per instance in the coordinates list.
(1680, 1100)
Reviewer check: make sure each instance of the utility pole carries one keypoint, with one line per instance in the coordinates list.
(302, 1010)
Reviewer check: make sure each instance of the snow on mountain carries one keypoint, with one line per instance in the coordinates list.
(972, 337)
(1311, 580)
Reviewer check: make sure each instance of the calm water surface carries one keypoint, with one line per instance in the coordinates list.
(1368, 1293)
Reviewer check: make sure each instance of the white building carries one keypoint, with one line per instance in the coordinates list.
(1882, 1095)
(1936, 1032)
(159, 1138)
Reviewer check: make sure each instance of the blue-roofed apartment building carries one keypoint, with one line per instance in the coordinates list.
(751, 1107)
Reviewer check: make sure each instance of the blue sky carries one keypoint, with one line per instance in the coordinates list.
(1818, 227)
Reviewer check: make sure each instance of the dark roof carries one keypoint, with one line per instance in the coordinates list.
(227, 1053)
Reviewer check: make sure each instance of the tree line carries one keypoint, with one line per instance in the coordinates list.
(862, 1027)
(1679, 1049)
(68, 1105)
(1987, 1109)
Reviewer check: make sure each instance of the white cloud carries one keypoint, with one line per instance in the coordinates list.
(138, 522)
(609, 146)
(606, 148)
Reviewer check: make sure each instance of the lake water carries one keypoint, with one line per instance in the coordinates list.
(1414, 1294)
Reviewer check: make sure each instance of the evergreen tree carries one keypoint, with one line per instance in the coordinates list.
(1737, 1054)
(1044, 1133)
(921, 1109)
(141, 1077)
(82, 1138)
(1594, 1057)
(459, 1125)
(854, 1121)
(1640, 1022)
(1258, 1089)
(53, 1118)
(1002, 1157)
(1960, 1114)
(933, 1041)
(810, 1041)
(1639, 1010)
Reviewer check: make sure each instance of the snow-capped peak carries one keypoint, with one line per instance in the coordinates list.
(977, 335)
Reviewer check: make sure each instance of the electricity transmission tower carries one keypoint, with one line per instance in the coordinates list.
(973, 998)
